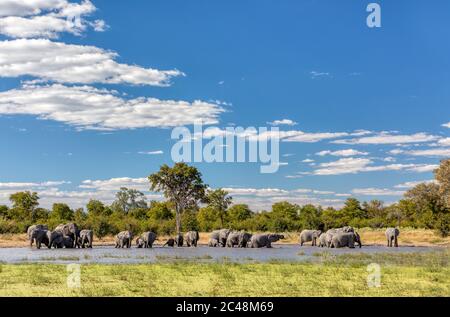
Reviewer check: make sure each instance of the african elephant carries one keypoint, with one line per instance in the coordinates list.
(86, 237)
(31, 228)
(322, 240)
(309, 235)
(191, 238)
(140, 243)
(123, 239)
(70, 230)
(244, 239)
(55, 239)
(179, 240)
(221, 236)
(213, 243)
(345, 239)
(148, 238)
(264, 240)
(170, 243)
(68, 242)
(40, 236)
(392, 236)
(233, 239)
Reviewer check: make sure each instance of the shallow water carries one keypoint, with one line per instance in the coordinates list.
(110, 255)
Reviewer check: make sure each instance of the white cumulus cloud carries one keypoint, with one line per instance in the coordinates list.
(91, 108)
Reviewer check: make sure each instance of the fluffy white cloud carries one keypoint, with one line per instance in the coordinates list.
(388, 138)
(446, 125)
(46, 19)
(348, 152)
(91, 108)
(356, 165)
(115, 184)
(444, 142)
(31, 186)
(376, 192)
(408, 185)
(65, 63)
(433, 152)
(283, 122)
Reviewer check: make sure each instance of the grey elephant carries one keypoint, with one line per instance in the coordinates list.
(213, 243)
(221, 236)
(345, 239)
(192, 238)
(86, 238)
(244, 239)
(239, 239)
(264, 240)
(70, 230)
(123, 239)
(148, 238)
(309, 235)
(140, 243)
(392, 237)
(179, 240)
(322, 240)
(68, 242)
(39, 236)
(170, 243)
(233, 239)
(31, 228)
(55, 239)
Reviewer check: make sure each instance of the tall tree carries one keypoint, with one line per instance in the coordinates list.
(219, 200)
(128, 199)
(24, 204)
(442, 175)
(182, 185)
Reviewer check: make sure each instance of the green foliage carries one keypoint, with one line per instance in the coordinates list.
(219, 200)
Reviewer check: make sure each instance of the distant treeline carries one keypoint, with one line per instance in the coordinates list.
(427, 205)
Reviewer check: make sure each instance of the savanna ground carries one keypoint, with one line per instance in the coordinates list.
(408, 237)
(412, 274)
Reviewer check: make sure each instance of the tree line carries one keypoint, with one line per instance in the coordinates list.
(191, 205)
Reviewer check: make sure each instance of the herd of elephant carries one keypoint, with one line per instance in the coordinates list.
(343, 237)
(69, 236)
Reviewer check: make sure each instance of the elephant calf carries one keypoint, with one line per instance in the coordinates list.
(86, 238)
(123, 239)
(392, 236)
(213, 243)
(170, 243)
(309, 235)
(264, 240)
(179, 240)
(323, 241)
(192, 238)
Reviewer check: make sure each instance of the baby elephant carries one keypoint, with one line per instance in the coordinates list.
(179, 240)
(309, 235)
(213, 243)
(123, 239)
(345, 239)
(170, 243)
(192, 238)
(392, 236)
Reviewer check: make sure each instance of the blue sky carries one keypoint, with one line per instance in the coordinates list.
(381, 95)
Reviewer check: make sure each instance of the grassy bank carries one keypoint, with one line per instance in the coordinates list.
(408, 237)
(401, 275)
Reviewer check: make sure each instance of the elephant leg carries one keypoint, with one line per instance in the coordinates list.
(269, 245)
(396, 242)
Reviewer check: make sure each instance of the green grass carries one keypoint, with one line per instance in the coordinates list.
(346, 275)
